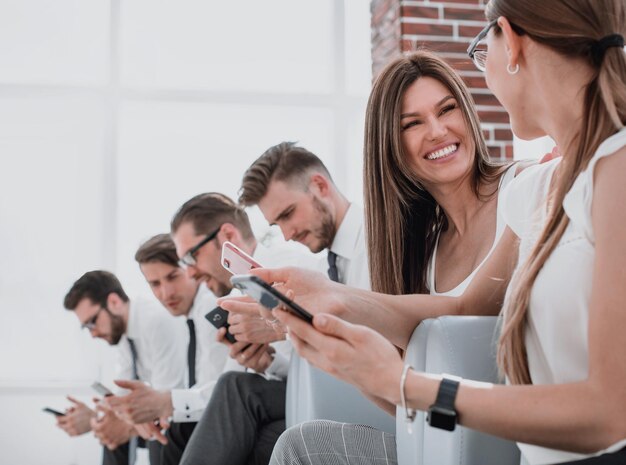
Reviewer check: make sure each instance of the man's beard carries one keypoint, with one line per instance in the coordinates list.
(117, 328)
(325, 232)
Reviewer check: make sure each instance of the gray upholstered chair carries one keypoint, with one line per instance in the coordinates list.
(462, 346)
(315, 395)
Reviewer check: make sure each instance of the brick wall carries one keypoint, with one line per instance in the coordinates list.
(447, 28)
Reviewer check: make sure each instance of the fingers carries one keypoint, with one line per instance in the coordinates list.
(221, 337)
(129, 384)
(75, 401)
(269, 275)
(238, 347)
(240, 307)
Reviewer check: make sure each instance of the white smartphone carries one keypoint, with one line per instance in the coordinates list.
(236, 260)
(101, 389)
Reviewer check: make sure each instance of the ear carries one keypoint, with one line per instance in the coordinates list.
(320, 184)
(229, 232)
(512, 41)
(114, 302)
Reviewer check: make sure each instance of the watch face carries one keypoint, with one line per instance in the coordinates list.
(443, 418)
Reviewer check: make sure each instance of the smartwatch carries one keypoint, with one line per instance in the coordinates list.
(442, 413)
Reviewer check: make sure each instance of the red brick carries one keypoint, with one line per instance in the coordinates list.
(503, 134)
(488, 100)
(491, 116)
(419, 12)
(461, 64)
(475, 82)
(508, 152)
(470, 31)
(487, 134)
(422, 29)
(495, 152)
(439, 46)
(467, 14)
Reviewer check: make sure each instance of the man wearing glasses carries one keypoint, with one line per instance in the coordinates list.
(199, 229)
(151, 345)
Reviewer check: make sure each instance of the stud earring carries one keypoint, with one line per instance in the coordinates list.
(512, 70)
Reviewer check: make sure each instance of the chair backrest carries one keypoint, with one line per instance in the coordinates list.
(315, 395)
(462, 346)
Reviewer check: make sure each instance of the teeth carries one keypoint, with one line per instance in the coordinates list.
(442, 152)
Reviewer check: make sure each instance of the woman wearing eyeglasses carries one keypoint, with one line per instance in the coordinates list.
(559, 68)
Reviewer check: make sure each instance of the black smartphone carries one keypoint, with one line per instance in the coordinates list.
(267, 296)
(218, 317)
(56, 413)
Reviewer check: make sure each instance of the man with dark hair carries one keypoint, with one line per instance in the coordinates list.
(150, 344)
(206, 359)
(294, 190)
(252, 406)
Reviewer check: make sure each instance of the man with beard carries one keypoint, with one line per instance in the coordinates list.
(294, 190)
(252, 406)
(150, 343)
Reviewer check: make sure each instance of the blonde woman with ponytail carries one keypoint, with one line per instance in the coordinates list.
(559, 68)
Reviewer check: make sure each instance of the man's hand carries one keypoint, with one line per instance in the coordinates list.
(149, 431)
(253, 328)
(110, 430)
(76, 420)
(257, 357)
(142, 405)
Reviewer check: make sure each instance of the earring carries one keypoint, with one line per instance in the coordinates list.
(512, 70)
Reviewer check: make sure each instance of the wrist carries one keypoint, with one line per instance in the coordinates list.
(167, 406)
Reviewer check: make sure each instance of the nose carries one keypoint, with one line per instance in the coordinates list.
(437, 128)
(191, 271)
(288, 231)
(166, 291)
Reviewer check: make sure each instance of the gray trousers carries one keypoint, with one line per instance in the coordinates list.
(241, 424)
(119, 455)
(325, 442)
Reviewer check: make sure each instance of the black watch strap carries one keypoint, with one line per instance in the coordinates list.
(447, 393)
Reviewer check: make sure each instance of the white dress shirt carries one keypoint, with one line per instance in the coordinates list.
(349, 245)
(211, 361)
(159, 341)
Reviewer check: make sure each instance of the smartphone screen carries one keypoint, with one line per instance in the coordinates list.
(267, 296)
(236, 260)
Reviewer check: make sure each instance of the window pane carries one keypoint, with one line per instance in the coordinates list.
(54, 41)
(271, 46)
(51, 202)
(358, 47)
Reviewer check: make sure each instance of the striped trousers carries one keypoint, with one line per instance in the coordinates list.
(325, 442)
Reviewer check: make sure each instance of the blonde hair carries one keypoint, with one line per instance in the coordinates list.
(573, 29)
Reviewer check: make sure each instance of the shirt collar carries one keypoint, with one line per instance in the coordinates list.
(202, 294)
(348, 235)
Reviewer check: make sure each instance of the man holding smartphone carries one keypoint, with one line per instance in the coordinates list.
(199, 229)
(205, 359)
(150, 346)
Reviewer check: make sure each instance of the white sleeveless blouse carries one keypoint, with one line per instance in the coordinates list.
(557, 328)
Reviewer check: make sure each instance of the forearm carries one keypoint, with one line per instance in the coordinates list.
(577, 417)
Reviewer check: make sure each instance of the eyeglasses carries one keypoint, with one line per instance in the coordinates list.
(189, 259)
(91, 322)
(479, 55)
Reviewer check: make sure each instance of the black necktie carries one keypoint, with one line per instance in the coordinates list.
(333, 273)
(133, 356)
(191, 353)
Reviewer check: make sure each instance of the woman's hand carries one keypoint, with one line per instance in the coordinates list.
(314, 291)
(352, 353)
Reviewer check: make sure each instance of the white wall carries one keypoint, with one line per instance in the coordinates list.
(112, 113)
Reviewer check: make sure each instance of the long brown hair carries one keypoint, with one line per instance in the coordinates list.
(403, 219)
(571, 28)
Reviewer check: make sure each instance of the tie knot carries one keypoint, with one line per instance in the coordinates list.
(190, 324)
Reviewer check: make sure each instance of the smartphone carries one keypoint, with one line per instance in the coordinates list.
(218, 317)
(267, 296)
(101, 389)
(236, 260)
(54, 412)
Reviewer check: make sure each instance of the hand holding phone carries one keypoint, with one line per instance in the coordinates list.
(54, 412)
(236, 260)
(218, 317)
(268, 296)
